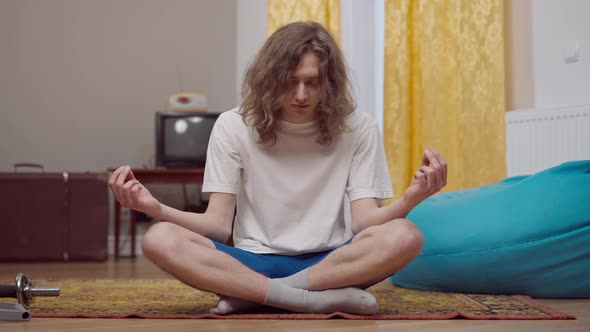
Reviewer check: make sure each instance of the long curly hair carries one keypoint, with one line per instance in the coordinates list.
(267, 81)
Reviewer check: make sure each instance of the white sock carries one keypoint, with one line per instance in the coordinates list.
(228, 305)
(291, 293)
(349, 300)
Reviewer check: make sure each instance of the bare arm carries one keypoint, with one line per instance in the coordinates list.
(429, 179)
(215, 223)
(366, 213)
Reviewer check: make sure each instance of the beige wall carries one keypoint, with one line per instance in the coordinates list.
(519, 54)
(80, 80)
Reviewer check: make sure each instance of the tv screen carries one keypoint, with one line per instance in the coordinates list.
(182, 138)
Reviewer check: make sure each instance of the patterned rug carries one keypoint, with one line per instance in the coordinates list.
(171, 299)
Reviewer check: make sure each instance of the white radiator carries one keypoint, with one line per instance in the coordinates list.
(539, 139)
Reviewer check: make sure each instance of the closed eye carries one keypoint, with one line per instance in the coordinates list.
(313, 83)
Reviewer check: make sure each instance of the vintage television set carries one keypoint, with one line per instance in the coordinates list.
(182, 138)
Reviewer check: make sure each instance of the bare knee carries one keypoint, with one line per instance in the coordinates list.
(159, 239)
(400, 236)
(412, 237)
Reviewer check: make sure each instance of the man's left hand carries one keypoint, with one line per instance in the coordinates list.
(429, 179)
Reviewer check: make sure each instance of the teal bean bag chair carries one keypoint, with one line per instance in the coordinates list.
(524, 235)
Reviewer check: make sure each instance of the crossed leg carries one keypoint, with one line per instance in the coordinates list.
(374, 254)
(193, 260)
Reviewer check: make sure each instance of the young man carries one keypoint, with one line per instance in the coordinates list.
(291, 157)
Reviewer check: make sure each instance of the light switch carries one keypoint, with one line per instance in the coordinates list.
(571, 51)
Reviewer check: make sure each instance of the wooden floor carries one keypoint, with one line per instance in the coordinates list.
(141, 268)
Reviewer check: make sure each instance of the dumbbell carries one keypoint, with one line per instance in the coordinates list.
(25, 292)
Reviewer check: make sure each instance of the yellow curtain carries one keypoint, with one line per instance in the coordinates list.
(444, 88)
(326, 12)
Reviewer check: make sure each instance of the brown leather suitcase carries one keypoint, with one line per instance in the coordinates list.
(53, 216)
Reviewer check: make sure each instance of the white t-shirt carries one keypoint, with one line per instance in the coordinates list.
(291, 197)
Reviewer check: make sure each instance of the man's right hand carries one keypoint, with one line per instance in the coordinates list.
(131, 193)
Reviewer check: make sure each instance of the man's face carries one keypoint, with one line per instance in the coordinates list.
(304, 93)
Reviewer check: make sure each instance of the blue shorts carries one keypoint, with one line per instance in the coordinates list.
(272, 265)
